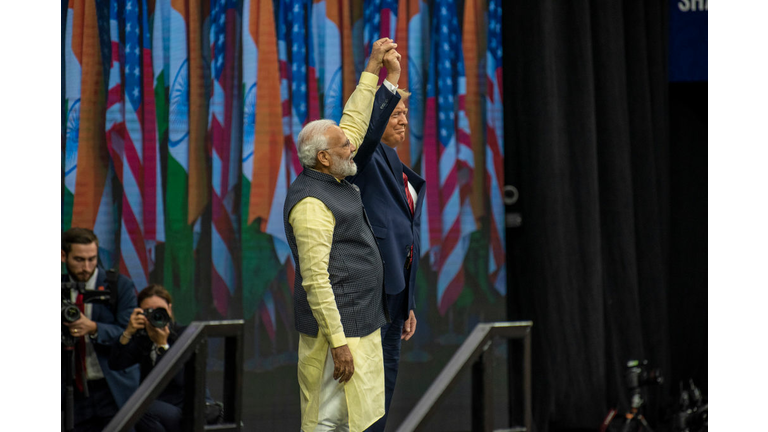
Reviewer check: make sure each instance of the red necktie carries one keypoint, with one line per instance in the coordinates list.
(80, 371)
(409, 257)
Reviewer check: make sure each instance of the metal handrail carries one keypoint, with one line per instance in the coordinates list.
(471, 354)
(191, 353)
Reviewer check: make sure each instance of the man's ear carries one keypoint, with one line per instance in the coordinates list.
(63, 256)
(324, 158)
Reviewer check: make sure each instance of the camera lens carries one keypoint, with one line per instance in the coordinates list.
(69, 313)
(158, 318)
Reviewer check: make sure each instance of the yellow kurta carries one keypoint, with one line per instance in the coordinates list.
(313, 224)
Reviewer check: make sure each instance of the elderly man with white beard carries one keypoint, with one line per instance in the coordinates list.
(339, 300)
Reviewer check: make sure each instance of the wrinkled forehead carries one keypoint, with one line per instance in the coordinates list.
(335, 136)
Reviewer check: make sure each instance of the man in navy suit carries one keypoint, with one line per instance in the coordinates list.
(393, 196)
(99, 391)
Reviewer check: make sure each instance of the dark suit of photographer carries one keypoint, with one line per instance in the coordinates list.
(98, 327)
(144, 344)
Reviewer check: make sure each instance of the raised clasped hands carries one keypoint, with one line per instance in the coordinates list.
(380, 48)
(391, 61)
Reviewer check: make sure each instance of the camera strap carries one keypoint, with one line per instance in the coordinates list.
(112, 277)
(81, 371)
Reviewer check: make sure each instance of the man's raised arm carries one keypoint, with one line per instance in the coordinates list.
(357, 111)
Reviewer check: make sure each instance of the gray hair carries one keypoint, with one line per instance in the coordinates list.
(311, 140)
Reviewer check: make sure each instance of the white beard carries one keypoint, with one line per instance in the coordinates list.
(343, 167)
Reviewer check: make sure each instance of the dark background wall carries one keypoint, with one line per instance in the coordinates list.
(610, 159)
(610, 260)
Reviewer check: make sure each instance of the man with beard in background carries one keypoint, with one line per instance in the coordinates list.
(99, 391)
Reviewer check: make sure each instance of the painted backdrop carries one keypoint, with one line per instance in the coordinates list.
(178, 143)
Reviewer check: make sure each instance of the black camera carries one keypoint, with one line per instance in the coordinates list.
(693, 414)
(640, 375)
(69, 312)
(159, 317)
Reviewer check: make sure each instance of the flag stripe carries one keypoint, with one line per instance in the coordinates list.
(150, 152)
(268, 117)
(90, 171)
(198, 192)
(494, 148)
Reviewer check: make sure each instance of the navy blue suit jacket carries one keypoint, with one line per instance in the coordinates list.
(380, 179)
(121, 383)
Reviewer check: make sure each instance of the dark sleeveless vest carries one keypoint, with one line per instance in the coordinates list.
(354, 266)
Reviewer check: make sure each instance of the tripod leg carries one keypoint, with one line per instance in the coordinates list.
(69, 407)
(645, 423)
(627, 425)
(70, 423)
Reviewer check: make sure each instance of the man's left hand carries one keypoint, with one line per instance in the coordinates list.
(82, 326)
(409, 327)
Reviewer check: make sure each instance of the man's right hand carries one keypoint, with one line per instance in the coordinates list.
(343, 365)
(380, 47)
(136, 322)
(392, 63)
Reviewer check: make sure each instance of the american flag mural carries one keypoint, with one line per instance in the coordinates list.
(494, 153)
(132, 142)
(304, 99)
(133, 254)
(154, 219)
(449, 162)
(179, 145)
(380, 17)
(115, 111)
(409, 16)
(224, 151)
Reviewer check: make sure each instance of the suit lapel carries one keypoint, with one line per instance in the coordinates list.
(397, 172)
(418, 184)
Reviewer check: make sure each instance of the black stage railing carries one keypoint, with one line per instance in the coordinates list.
(191, 353)
(475, 353)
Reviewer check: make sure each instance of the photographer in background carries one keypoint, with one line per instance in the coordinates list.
(149, 334)
(99, 391)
